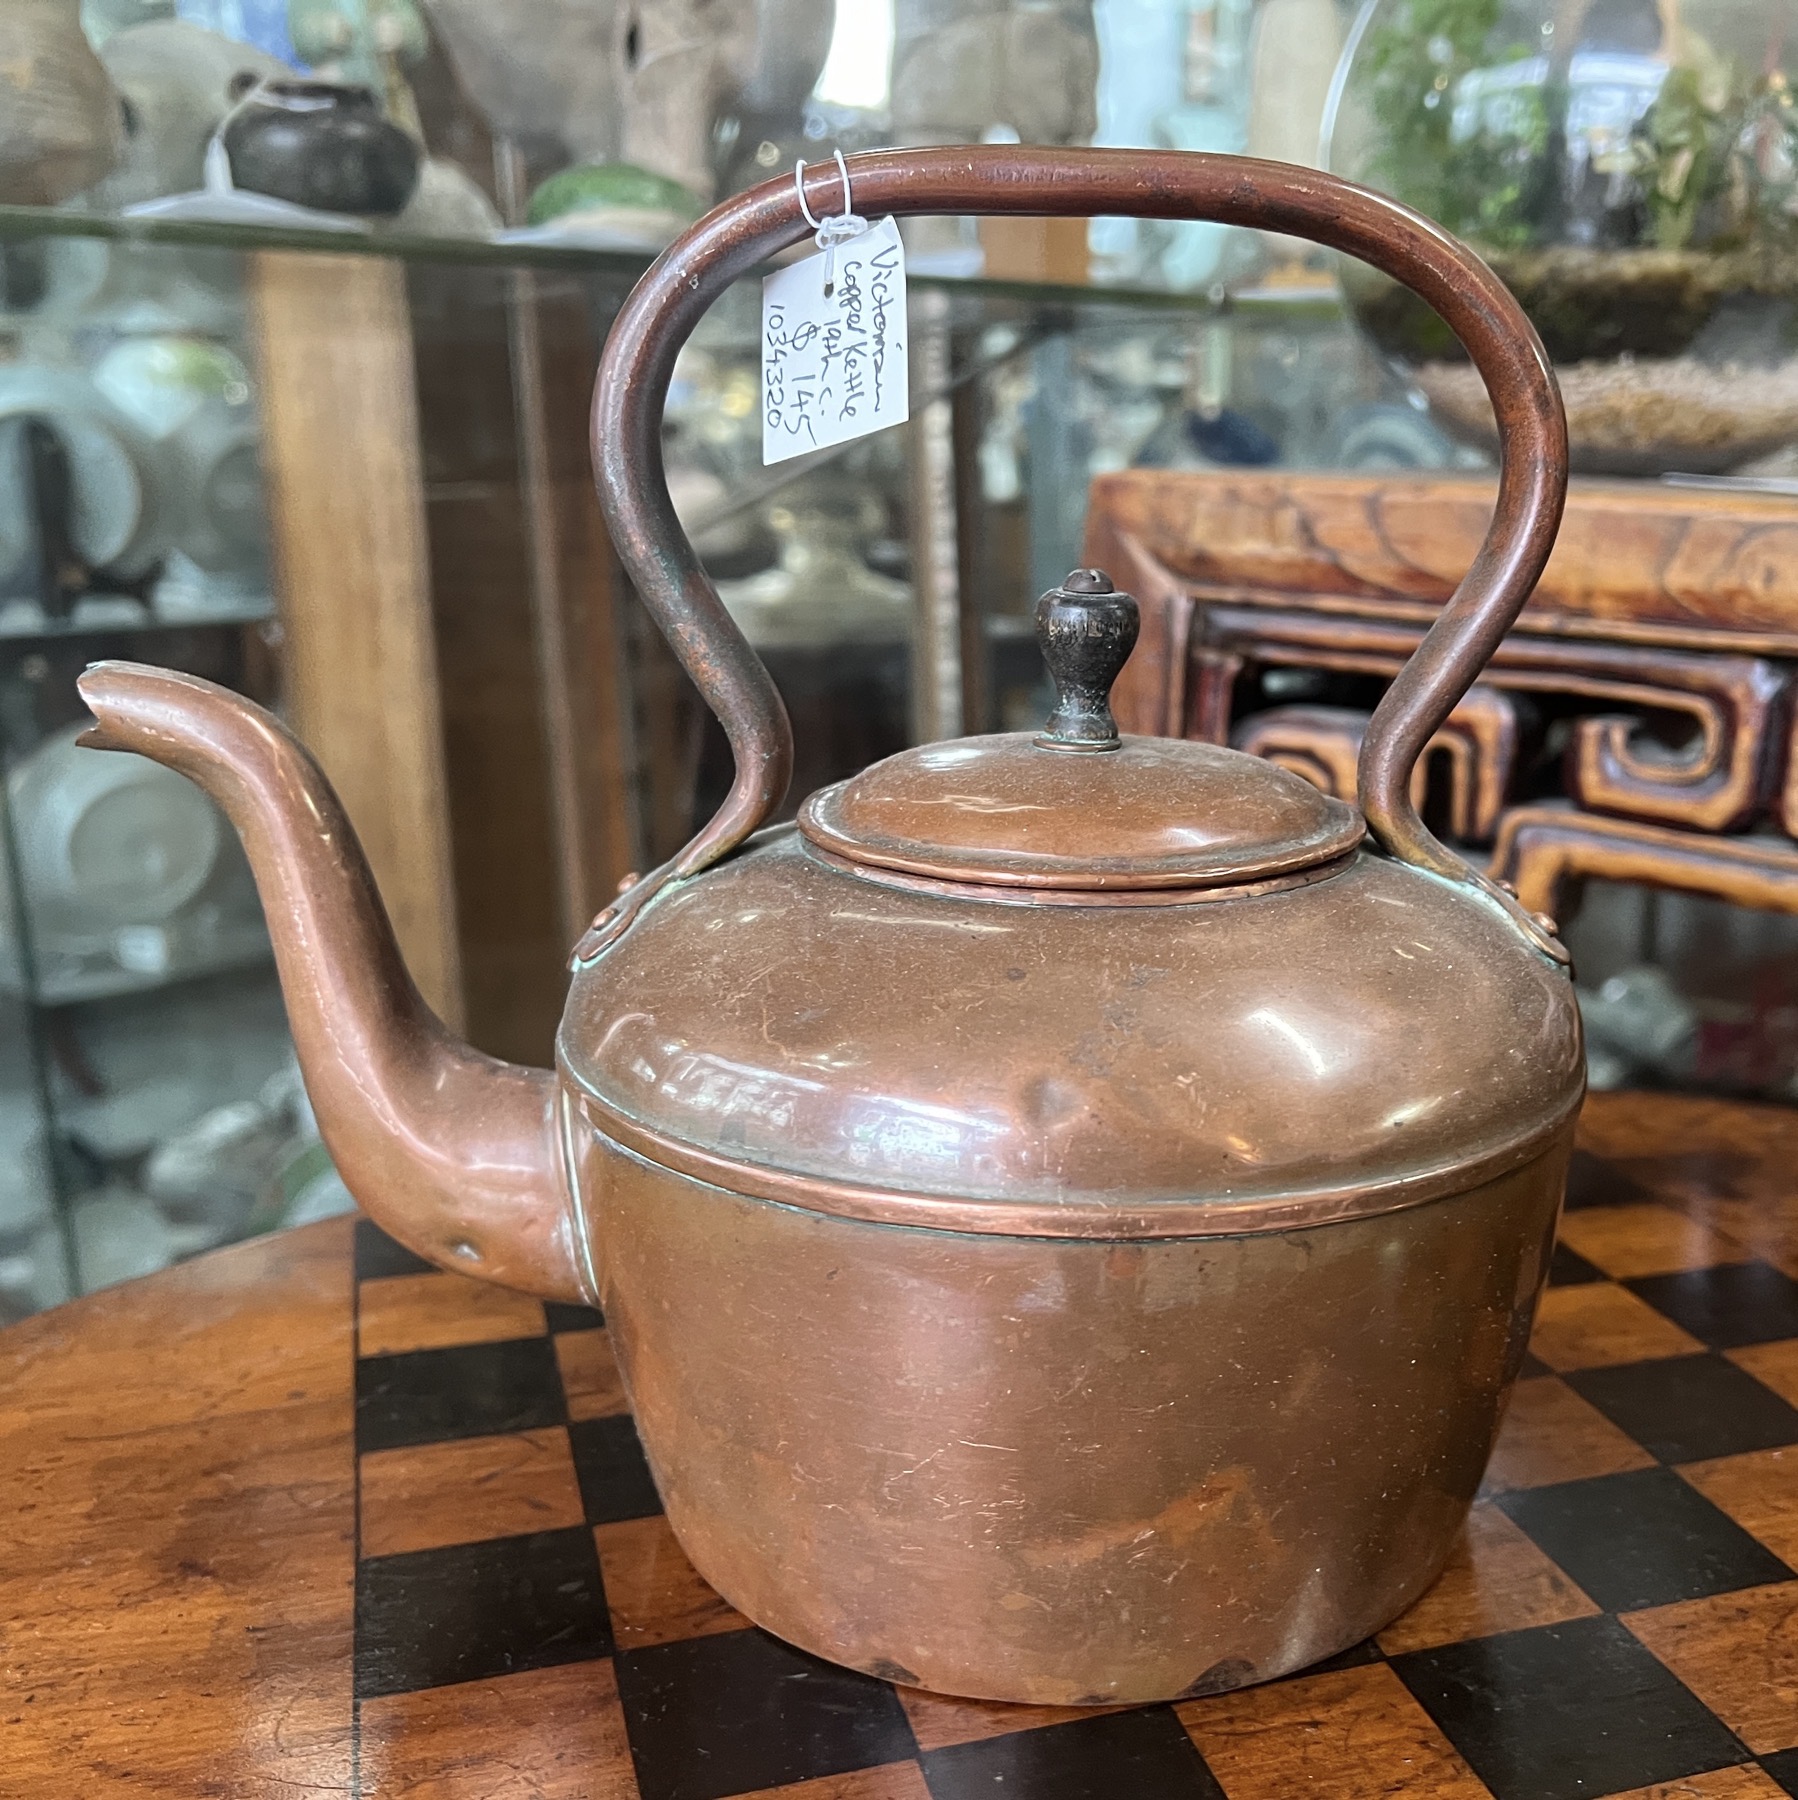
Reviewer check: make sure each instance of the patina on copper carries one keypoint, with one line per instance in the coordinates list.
(1071, 1210)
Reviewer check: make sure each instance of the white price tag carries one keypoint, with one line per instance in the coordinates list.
(833, 346)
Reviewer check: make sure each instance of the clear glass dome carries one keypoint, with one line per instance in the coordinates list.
(1630, 169)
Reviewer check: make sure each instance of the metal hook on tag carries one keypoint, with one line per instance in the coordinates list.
(799, 193)
(834, 228)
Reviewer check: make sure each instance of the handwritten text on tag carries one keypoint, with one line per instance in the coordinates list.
(834, 364)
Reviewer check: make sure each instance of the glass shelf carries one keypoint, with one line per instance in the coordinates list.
(23, 622)
(507, 253)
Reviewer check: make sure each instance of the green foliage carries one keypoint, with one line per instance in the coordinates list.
(1497, 178)
(1712, 165)
(1411, 60)
(1769, 150)
(1682, 158)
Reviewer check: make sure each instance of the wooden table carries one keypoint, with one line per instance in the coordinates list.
(304, 1518)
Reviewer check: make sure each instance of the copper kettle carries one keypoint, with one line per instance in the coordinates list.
(1071, 1211)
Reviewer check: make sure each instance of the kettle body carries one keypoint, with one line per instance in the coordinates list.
(1067, 1472)
(1119, 1304)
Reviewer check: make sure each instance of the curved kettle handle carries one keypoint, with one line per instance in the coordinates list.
(731, 240)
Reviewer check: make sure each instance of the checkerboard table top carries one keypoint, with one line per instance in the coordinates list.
(309, 1516)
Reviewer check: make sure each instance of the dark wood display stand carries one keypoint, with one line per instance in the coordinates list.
(1636, 725)
(305, 1516)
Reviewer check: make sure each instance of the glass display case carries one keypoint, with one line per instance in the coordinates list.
(300, 307)
(146, 1072)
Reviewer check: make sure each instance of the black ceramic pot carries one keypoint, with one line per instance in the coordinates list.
(322, 144)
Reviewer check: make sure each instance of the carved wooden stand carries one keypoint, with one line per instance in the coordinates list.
(1637, 725)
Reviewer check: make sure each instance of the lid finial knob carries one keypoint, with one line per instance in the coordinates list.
(1086, 630)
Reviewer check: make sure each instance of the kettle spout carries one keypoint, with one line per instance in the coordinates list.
(458, 1156)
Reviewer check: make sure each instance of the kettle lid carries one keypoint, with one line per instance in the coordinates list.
(1076, 806)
